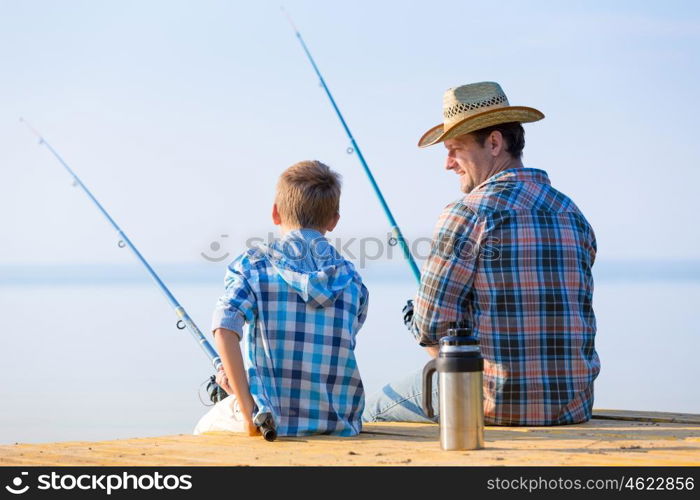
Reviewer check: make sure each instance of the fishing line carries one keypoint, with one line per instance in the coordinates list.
(396, 235)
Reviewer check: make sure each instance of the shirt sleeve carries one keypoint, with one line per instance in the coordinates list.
(362, 310)
(448, 273)
(237, 305)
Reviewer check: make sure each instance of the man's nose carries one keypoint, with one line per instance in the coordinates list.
(449, 163)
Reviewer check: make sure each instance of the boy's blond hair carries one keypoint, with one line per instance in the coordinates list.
(308, 195)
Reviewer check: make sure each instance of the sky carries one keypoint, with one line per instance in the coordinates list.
(180, 116)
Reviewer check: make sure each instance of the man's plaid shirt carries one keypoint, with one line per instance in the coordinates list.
(298, 305)
(513, 260)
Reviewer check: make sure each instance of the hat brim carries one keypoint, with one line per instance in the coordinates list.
(478, 121)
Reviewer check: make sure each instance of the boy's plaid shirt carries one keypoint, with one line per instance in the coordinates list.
(299, 305)
(513, 259)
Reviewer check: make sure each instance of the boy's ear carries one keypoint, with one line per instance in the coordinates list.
(334, 221)
(276, 218)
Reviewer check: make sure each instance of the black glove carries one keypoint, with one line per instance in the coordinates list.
(408, 314)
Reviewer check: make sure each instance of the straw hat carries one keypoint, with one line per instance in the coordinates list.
(473, 107)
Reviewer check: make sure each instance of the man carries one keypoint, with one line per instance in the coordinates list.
(511, 260)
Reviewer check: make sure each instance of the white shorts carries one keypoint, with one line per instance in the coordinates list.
(223, 416)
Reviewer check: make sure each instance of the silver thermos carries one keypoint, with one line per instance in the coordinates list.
(460, 368)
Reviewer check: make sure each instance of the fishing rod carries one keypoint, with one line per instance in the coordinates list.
(397, 237)
(184, 320)
(267, 425)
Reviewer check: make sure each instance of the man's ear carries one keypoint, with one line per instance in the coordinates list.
(276, 218)
(496, 143)
(334, 222)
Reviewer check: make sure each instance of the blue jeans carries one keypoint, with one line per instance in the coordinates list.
(401, 401)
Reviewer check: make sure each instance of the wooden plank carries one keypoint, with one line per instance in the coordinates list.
(647, 416)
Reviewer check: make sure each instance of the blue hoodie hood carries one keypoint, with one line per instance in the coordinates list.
(310, 265)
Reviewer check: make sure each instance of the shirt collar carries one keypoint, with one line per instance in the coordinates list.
(520, 174)
(305, 233)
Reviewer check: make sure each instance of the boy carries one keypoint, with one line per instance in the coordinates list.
(297, 304)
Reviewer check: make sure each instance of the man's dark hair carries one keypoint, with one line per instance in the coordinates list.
(512, 132)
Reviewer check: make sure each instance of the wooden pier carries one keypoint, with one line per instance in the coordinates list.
(610, 438)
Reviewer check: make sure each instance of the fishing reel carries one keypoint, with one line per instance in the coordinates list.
(214, 390)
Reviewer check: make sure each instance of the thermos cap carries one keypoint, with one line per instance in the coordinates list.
(458, 337)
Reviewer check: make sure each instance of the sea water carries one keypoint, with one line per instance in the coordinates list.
(88, 354)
